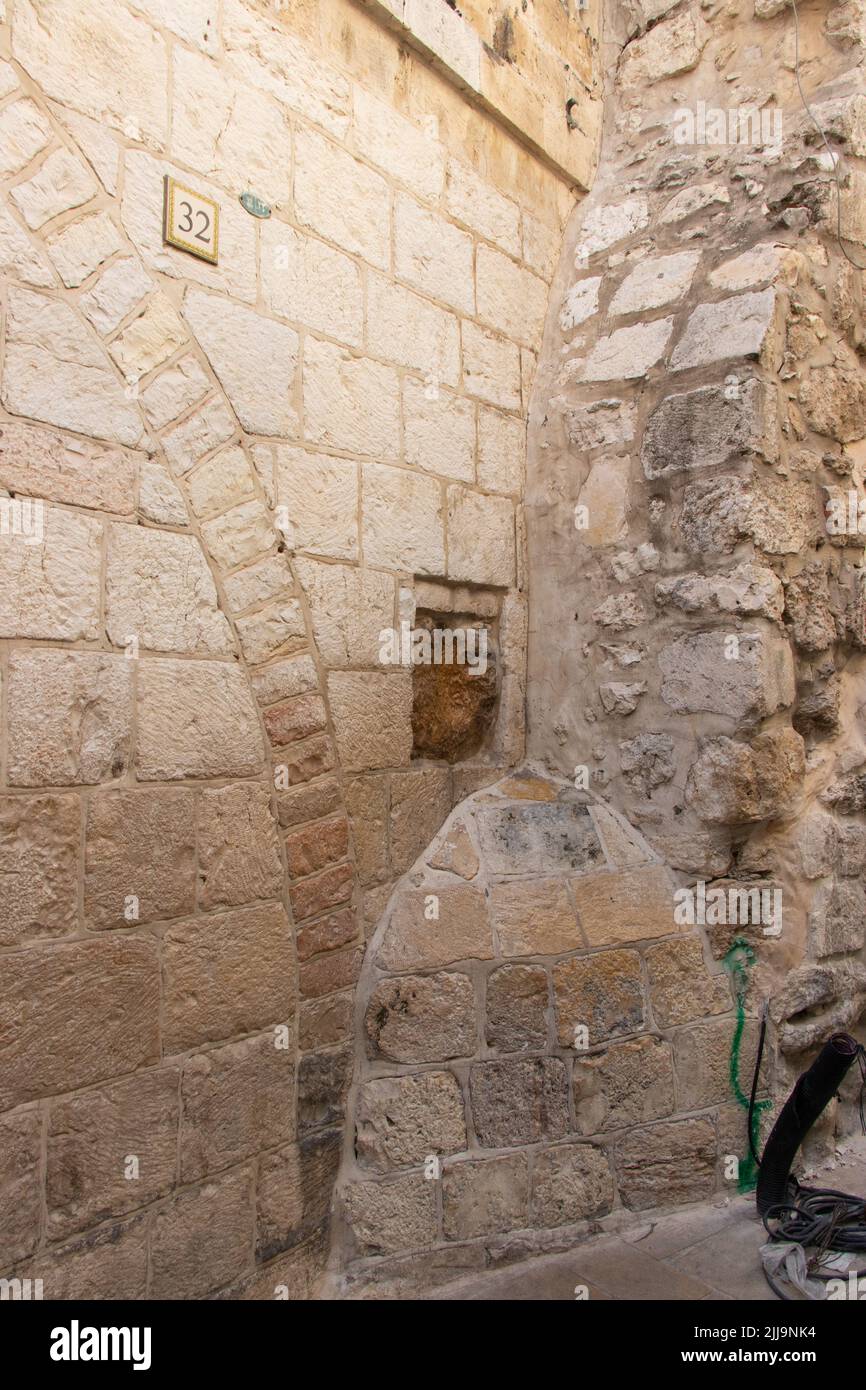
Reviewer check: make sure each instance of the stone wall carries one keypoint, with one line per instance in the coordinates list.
(245, 472)
(539, 1046)
(696, 629)
(695, 667)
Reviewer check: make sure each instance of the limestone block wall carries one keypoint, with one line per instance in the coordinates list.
(220, 483)
(696, 628)
(539, 1046)
(695, 674)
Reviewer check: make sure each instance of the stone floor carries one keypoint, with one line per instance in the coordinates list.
(700, 1252)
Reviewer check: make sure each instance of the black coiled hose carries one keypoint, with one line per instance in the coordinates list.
(813, 1091)
(809, 1216)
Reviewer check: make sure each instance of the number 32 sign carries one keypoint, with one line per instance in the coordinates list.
(190, 221)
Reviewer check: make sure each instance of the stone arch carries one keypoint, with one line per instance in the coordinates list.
(540, 1045)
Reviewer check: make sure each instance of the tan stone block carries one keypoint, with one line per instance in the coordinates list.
(92, 1139)
(322, 892)
(225, 975)
(139, 856)
(491, 367)
(422, 1018)
(630, 1083)
(238, 847)
(263, 580)
(327, 933)
(196, 719)
(39, 859)
(59, 184)
(149, 340)
(76, 1014)
(702, 1057)
(372, 717)
(120, 81)
(293, 1192)
(479, 1199)
(70, 716)
(302, 764)
(107, 1264)
(329, 973)
(230, 131)
(160, 591)
(413, 939)
(350, 403)
(602, 993)
(401, 1119)
(681, 987)
(308, 803)
(283, 679)
(510, 298)
(236, 1101)
(312, 847)
(208, 427)
(295, 719)
(56, 373)
(534, 918)
(159, 497)
(280, 628)
(519, 1102)
(433, 255)
(341, 199)
(367, 804)
(18, 258)
(570, 1183)
(273, 57)
(481, 547)
(672, 47)
(517, 1006)
(541, 246)
(323, 1022)
(501, 452)
(120, 287)
(389, 1216)
(402, 520)
(239, 535)
(349, 608)
(455, 853)
(203, 1238)
(49, 572)
(20, 1185)
(294, 1276)
(37, 463)
(628, 905)
(80, 248)
(605, 498)
(24, 131)
(172, 392)
(479, 206)
(420, 802)
(408, 330)
(399, 147)
(439, 430)
(320, 495)
(222, 481)
(324, 1079)
(667, 1165)
(255, 359)
(311, 284)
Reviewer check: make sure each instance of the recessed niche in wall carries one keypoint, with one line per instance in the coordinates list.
(455, 688)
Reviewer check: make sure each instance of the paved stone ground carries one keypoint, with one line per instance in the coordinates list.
(701, 1252)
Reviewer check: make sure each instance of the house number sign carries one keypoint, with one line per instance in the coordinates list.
(190, 221)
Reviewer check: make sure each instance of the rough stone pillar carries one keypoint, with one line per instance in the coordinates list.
(696, 459)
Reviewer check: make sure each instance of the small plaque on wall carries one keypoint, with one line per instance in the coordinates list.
(190, 221)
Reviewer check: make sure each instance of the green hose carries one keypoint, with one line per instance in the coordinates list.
(738, 961)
